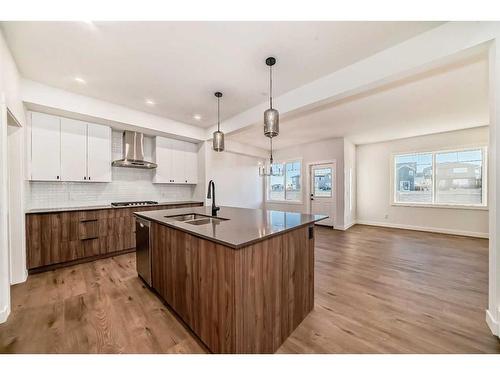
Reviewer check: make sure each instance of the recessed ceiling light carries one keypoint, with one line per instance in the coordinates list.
(80, 80)
(197, 117)
(150, 102)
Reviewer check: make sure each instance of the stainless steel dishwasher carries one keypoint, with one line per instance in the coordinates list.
(143, 249)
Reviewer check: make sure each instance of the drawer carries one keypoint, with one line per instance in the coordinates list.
(88, 229)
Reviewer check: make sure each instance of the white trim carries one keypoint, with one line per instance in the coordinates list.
(4, 314)
(449, 206)
(492, 323)
(284, 202)
(346, 226)
(424, 229)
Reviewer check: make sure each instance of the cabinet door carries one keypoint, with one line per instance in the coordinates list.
(45, 147)
(191, 161)
(98, 153)
(164, 158)
(73, 150)
(178, 162)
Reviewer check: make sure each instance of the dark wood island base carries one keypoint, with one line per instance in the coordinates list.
(244, 300)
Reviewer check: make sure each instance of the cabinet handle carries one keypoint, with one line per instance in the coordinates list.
(89, 177)
(57, 177)
(84, 177)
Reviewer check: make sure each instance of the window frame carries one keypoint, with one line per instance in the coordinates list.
(285, 201)
(434, 204)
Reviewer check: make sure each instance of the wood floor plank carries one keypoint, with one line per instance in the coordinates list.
(377, 290)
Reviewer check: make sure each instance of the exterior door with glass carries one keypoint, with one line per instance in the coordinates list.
(322, 193)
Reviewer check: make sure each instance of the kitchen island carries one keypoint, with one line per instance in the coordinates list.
(242, 281)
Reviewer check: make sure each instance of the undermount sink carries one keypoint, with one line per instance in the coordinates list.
(187, 217)
(196, 219)
(206, 220)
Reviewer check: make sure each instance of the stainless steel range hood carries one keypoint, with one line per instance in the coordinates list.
(133, 152)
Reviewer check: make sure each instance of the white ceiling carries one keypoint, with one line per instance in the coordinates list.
(180, 64)
(450, 98)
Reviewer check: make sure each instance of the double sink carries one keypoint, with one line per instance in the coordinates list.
(196, 219)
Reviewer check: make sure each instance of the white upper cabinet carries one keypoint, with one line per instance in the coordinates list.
(162, 155)
(98, 153)
(177, 161)
(69, 150)
(73, 150)
(45, 147)
(191, 162)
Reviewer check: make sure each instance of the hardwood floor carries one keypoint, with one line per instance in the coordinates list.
(378, 290)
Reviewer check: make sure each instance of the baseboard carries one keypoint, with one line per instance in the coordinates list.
(4, 314)
(344, 227)
(492, 323)
(21, 280)
(424, 229)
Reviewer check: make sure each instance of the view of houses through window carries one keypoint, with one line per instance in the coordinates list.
(323, 182)
(288, 186)
(447, 177)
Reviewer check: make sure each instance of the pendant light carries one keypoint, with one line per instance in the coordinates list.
(270, 169)
(218, 138)
(271, 127)
(271, 115)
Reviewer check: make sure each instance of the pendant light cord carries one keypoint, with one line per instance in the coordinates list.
(271, 86)
(218, 114)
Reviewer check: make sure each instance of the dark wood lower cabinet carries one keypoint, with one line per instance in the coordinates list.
(246, 300)
(57, 238)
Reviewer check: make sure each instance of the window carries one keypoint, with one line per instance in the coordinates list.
(459, 177)
(323, 182)
(287, 187)
(440, 178)
(414, 178)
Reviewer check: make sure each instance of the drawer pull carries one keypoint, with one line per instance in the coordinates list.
(89, 238)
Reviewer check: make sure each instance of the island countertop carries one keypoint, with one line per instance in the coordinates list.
(242, 227)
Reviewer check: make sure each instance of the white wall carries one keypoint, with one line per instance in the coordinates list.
(17, 204)
(374, 190)
(350, 179)
(327, 150)
(236, 177)
(10, 248)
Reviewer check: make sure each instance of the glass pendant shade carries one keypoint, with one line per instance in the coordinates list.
(271, 122)
(218, 141)
(271, 115)
(218, 138)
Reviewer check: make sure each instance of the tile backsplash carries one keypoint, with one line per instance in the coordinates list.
(127, 184)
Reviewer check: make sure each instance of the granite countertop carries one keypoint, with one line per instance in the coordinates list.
(244, 227)
(101, 207)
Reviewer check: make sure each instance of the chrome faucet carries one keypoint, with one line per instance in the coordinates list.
(211, 195)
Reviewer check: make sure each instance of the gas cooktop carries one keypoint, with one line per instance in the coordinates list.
(137, 203)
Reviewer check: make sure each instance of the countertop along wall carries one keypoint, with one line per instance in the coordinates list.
(374, 190)
(127, 184)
